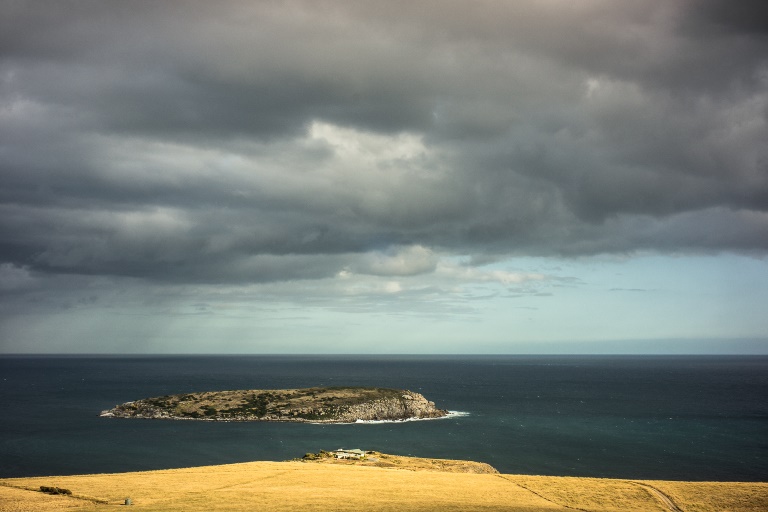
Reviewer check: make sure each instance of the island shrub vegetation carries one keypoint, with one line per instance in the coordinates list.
(320, 404)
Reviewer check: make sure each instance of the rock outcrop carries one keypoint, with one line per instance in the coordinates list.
(406, 406)
(320, 405)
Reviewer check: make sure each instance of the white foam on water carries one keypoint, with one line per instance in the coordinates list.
(451, 414)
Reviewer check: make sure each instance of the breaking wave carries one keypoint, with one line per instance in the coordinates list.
(451, 414)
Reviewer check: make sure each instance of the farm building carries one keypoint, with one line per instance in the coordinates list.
(341, 453)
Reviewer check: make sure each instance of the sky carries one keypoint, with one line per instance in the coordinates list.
(433, 177)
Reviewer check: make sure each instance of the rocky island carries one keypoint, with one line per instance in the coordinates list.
(312, 405)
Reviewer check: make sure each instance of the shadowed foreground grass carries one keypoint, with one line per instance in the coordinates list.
(295, 485)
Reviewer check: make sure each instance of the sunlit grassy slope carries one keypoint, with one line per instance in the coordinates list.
(414, 485)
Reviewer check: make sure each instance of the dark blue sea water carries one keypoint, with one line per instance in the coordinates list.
(684, 418)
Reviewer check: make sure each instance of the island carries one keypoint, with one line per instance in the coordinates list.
(309, 405)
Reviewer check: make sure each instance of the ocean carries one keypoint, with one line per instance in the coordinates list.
(639, 417)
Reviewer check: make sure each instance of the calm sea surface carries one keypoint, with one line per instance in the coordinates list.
(683, 418)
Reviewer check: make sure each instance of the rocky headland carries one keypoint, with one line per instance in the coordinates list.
(315, 405)
(384, 460)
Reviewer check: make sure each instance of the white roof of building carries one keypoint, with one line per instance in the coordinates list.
(356, 451)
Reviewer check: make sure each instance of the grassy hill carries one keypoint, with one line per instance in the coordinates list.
(408, 484)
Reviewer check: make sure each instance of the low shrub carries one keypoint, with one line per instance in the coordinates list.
(54, 490)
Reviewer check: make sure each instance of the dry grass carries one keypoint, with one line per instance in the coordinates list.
(289, 486)
(593, 494)
(716, 496)
(19, 500)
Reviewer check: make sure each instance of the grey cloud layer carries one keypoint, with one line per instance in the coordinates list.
(259, 141)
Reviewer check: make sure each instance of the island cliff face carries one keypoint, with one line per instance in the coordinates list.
(316, 405)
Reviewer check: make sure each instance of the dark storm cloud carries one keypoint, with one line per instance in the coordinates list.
(746, 17)
(260, 141)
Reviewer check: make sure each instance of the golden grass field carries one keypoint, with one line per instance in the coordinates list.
(388, 483)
